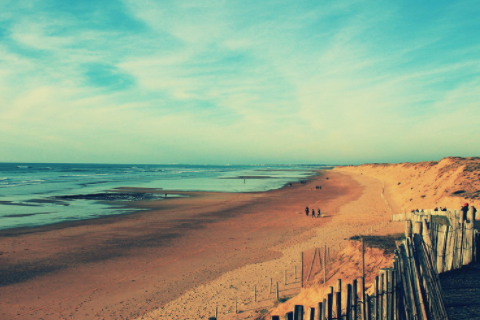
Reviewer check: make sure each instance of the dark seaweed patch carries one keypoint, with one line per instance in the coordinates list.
(23, 272)
(117, 196)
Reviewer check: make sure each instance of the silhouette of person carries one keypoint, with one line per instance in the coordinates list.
(464, 209)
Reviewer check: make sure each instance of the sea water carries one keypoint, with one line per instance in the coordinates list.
(33, 194)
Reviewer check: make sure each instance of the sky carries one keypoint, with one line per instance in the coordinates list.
(239, 81)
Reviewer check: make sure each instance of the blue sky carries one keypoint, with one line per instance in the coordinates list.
(230, 81)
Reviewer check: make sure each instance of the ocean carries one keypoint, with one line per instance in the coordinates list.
(39, 194)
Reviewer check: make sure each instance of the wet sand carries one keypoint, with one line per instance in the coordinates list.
(125, 266)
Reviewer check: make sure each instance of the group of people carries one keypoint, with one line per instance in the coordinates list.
(416, 210)
(312, 212)
(436, 209)
(465, 209)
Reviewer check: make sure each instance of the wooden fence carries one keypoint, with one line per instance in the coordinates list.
(303, 273)
(410, 290)
(419, 216)
(450, 246)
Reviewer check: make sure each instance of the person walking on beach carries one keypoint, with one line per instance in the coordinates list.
(464, 209)
(319, 214)
(307, 210)
(313, 213)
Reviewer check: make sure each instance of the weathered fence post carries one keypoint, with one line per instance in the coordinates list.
(416, 268)
(323, 314)
(302, 270)
(408, 229)
(377, 298)
(394, 290)
(329, 306)
(390, 289)
(426, 238)
(363, 261)
(298, 312)
(469, 240)
(277, 293)
(441, 246)
(459, 251)
(362, 296)
(338, 303)
(325, 265)
(354, 298)
(367, 307)
(476, 246)
(450, 245)
(321, 307)
(348, 307)
(381, 296)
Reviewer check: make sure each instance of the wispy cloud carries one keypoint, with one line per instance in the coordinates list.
(228, 81)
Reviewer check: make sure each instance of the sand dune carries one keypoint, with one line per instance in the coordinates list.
(448, 183)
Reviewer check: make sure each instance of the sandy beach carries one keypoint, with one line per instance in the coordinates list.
(362, 210)
(124, 267)
(185, 257)
(374, 192)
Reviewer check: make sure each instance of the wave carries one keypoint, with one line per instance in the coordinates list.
(20, 215)
(77, 175)
(84, 175)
